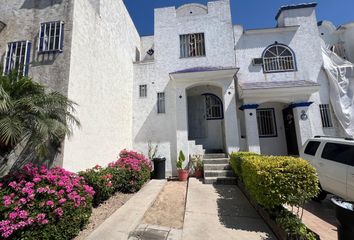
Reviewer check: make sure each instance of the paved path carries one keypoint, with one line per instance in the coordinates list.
(154, 232)
(127, 218)
(221, 212)
(320, 218)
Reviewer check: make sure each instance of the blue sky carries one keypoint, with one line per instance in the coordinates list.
(249, 13)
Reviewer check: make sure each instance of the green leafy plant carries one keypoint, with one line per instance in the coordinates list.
(197, 162)
(293, 226)
(32, 115)
(181, 159)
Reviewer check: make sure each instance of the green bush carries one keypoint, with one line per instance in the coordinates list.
(101, 180)
(273, 181)
(128, 174)
(236, 159)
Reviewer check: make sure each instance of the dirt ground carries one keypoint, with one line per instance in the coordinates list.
(169, 207)
(102, 212)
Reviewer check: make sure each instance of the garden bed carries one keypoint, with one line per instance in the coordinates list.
(169, 207)
(280, 233)
(102, 212)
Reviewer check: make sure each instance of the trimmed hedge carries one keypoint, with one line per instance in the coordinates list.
(273, 180)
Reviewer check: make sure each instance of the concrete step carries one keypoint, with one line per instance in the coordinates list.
(220, 180)
(225, 166)
(215, 155)
(216, 161)
(219, 173)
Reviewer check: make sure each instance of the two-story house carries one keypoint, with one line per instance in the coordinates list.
(199, 84)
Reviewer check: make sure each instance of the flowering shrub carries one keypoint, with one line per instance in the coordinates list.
(127, 174)
(135, 170)
(101, 179)
(38, 203)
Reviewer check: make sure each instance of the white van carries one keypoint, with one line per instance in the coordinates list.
(333, 159)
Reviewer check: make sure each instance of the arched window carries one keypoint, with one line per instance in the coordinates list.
(278, 58)
(213, 107)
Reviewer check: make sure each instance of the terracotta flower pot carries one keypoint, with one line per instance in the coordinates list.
(182, 175)
(198, 173)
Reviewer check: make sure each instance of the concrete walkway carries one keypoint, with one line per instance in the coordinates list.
(127, 218)
(220, 212)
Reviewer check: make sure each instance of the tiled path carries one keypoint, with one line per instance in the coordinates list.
(320, 218)
(220, 212)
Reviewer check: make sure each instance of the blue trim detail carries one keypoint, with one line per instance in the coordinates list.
(300, 104)
(249, 106)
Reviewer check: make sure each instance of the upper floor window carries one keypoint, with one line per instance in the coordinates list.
(192, 45)
(17, 57)
(51, 37)
(278, 58)
(213, 107)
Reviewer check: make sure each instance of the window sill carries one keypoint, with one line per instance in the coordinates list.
(50, 51)
(192, 57)
(287, 71)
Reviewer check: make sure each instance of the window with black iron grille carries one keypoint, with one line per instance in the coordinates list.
(266, 122)
(161, 102)
(51, 37)
(326, 116)
(17, 57)
(192, 45)
(143, 91)
(213, 107)
(278, 58)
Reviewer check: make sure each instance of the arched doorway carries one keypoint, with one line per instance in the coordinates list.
(206, 117)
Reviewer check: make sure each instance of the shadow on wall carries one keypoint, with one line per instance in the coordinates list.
(235, 212)
(39, 4)
(157, 128)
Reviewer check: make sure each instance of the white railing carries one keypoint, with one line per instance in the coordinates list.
(278, 64)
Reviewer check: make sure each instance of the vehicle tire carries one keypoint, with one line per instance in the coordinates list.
(321, 195)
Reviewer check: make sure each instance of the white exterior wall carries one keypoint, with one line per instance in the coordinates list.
(305, 41)
(215, 22)
(101, 82)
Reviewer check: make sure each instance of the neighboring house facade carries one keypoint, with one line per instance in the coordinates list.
(199, 84)
(90, 62)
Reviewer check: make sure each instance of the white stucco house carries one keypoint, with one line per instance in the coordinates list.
(200, 84)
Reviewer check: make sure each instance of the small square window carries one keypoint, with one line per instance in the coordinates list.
(17, 57)
(192, 45)
(326, 116)
(51, 37)
(143, 91)
(161, 102)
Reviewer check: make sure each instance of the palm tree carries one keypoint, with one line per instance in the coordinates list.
(31, 115)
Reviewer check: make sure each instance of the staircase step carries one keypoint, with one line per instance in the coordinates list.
(216, 161)
(225, 166)
(220, 180)
(219, 173)
(215, 155)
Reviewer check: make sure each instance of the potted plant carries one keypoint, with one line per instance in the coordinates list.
(182, 173)
(197, 165)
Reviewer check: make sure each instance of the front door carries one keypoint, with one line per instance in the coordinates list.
(290, 131)
(197, 124)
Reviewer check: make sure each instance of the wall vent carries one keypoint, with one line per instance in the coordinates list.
(257, 61)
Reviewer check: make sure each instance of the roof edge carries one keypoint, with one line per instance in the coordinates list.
(295, 6)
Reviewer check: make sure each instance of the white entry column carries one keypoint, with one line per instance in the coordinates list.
(302, 122)
(252, 136)
(230, 119)
(182, 122)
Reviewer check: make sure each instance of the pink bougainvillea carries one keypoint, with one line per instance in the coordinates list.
(37, 196)
(132, 160)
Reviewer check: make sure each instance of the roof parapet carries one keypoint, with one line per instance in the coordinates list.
(295, 6)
